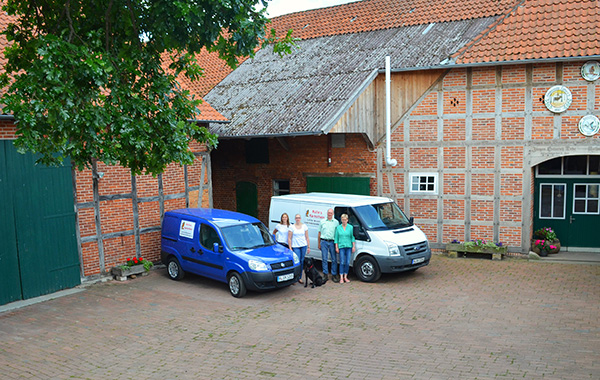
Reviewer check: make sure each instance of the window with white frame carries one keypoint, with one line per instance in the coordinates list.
(586, 199)
(552, 200)
(424, 183)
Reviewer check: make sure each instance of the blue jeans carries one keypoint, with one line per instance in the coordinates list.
(301, 252)
(328, 249)
(345, 255)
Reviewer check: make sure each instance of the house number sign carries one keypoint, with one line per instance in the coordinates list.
(558, 99)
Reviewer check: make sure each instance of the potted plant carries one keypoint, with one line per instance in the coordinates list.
(477, 246)
(132, 267)
(542, 247)
(546, 234)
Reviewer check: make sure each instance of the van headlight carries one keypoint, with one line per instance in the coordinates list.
(296, 258)
(257, 265)
(393, 249)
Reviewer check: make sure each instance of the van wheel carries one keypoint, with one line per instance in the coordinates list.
(174, 269)
(367, 269)
(236, 285)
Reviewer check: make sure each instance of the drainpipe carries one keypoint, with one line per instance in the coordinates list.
(388, 116)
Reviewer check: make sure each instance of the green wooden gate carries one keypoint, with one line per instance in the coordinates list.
(37, 227)
(343, 185)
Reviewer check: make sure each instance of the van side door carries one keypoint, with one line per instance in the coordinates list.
(212, 261)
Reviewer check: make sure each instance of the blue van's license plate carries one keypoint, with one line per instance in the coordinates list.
(285, 277)
(419, 260)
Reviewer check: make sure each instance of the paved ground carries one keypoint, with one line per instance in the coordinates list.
(455, 319)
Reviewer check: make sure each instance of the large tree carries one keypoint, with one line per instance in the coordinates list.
(97, 79)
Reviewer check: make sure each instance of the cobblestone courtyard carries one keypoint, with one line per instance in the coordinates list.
(455, 319)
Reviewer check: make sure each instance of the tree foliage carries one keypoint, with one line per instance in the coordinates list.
(98, 79)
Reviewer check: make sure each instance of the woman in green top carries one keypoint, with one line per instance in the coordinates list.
(344, 245)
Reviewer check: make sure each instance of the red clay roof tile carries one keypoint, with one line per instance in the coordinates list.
(558, 29)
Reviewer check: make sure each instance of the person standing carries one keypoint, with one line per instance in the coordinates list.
(345, 245)
(326, 245)
(298, 240)
(282, 230)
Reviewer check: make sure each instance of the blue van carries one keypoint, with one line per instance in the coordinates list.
(226, 246)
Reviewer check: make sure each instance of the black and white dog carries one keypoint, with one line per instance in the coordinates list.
(312, 274)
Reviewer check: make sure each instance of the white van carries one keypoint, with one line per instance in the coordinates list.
(387, 241)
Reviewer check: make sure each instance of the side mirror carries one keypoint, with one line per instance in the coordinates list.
(217, 248)
(411, 220)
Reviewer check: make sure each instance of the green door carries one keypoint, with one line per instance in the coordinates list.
(341, 185)
(570, 206)
(10, 278)
(40, 200)
(246, 196)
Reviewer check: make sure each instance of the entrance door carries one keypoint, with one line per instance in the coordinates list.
(246, 196)
(569, 202)
(38, 227)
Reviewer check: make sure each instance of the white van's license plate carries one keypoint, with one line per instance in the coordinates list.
(285, 277)
(419, 260)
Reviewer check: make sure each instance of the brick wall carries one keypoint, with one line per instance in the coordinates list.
(491, 121)
(307, 156)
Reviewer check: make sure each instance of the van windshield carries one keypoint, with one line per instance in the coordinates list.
(382, 216)
(247, 236)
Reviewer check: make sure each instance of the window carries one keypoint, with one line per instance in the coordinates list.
(338, 141)
(552, 201)
(571, 166)
(257, 151)
(281, 186)
(208, 236)
(425, 183)
(586, 198)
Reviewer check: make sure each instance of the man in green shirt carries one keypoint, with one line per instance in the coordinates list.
(325, 240)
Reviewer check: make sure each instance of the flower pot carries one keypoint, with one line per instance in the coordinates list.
(543, 253)
(127, 271)
(556, 244)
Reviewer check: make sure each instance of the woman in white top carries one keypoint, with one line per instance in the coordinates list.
(282, 230)
(298, 240)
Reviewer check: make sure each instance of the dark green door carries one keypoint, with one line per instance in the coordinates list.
(570, 206)
(10, 278)
(342, 185)
(40, 200)
(246, 196)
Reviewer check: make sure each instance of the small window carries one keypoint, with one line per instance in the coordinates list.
(575, 165)
(281, 186)
(338, 140)
(425, 183)
(553, 166)
(552, 201)
(257, 151)
(586, 199)
(208, 236)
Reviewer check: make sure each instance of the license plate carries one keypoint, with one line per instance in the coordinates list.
(419, 260)
(285, 277)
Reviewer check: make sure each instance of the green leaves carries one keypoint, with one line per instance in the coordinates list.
(98, 79)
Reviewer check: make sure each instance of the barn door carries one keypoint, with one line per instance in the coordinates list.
(40, 200)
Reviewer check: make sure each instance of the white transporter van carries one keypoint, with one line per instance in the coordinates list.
(387, 241)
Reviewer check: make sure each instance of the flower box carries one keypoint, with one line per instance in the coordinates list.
(454, 249)
(122, 272)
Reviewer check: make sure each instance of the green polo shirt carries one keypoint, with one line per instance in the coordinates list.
(327, 228)
(344, 238)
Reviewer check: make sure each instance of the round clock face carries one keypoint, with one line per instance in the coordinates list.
(558, 99)
(590, 71)
(589, 125)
